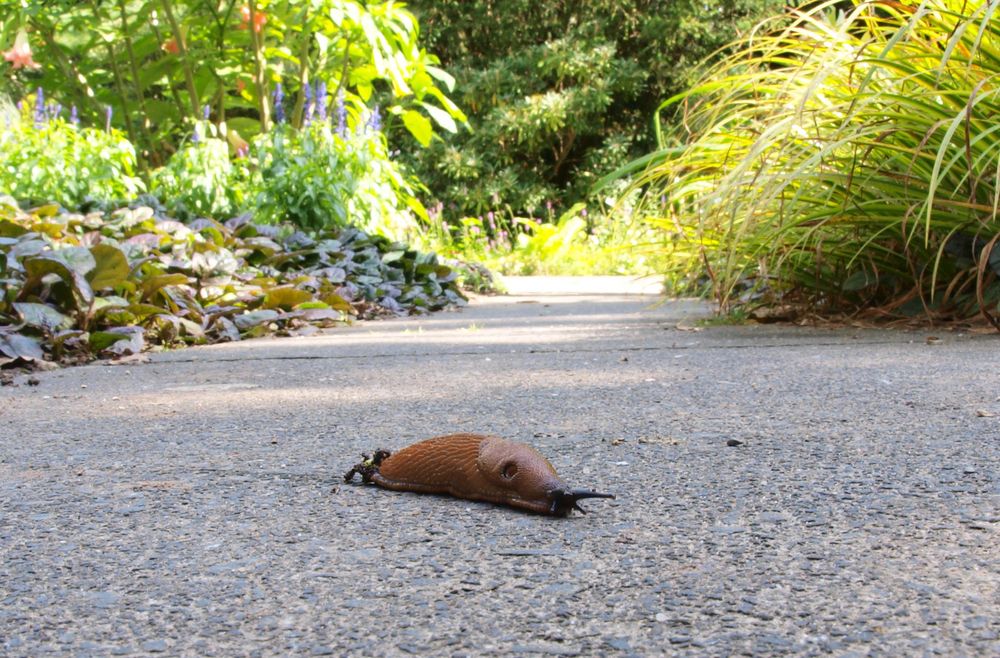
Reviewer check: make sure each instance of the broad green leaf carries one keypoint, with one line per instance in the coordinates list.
(442, 75)
(111, 266)
(43, 316)
(16, 346)
(118, 341)
(286, 297)
(254, 318)
(78, 258)
(38, 267)
(441, 117)
(419, 126)
(9, 229)
(154, 283)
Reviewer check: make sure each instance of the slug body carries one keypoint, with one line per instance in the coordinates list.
(476, 467)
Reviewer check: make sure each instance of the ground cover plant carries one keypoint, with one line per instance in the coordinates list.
(77, 286)
(844, 160)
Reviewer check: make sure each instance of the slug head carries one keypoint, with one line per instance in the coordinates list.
(528, 479)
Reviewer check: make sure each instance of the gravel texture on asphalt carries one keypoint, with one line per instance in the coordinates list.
(781, 490)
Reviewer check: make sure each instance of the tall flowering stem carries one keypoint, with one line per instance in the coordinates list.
(321, 101)
(279, 104)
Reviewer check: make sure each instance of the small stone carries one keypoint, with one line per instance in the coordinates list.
(154, 646)
(733, 443)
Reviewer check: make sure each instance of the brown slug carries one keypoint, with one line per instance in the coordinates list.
(475, 467)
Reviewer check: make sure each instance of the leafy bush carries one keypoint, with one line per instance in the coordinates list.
(323, 177)
(78, 286)
(48, 159)
(560, 92)
(157, 63)
(844, 161)
(201, 180)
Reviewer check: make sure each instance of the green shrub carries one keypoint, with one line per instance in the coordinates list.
(322, 177)
(44, 158)
(561, 92)
(201, 180)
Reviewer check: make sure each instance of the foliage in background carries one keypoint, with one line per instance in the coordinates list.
(559, 93)
(79, 286)
(847, 160)
(320, 176)
(43, 156)
(201, 180)
(317, 177)
(157, 63)
(571, 244)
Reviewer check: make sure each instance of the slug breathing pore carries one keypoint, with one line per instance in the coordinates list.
(475, 467)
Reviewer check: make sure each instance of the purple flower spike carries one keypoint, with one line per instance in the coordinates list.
(321, 101)
(310, 107)
(195, 138)
(375, 120)
(107, 119)
(205, 112)
(341, 116)
(39, 108)
(279, 106)
(74, 118)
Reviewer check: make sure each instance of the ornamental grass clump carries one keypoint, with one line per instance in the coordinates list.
(843, 161)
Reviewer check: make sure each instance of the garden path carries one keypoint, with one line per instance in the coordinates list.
(193, 504)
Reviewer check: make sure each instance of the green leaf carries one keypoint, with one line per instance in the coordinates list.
(17, 346)
(441, 117)
(43, 316)
(154, 283)
(111, 266)
(9, 229)
(441, 75)
(118, 340)
(419, 126)
(286, 297)
(38, 267)
(254, 318)
(78, 258)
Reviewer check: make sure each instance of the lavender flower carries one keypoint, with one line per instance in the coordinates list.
(55, 110)
(39, 108)
(196, 137)
(341, 115)
(321, 101)
(309, 107)
(74, 118)
(107, 119)
(375, 120)
(279, 107)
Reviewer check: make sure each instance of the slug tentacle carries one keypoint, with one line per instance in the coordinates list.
(475, 467)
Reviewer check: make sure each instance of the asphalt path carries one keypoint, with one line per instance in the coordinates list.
(193, 504)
